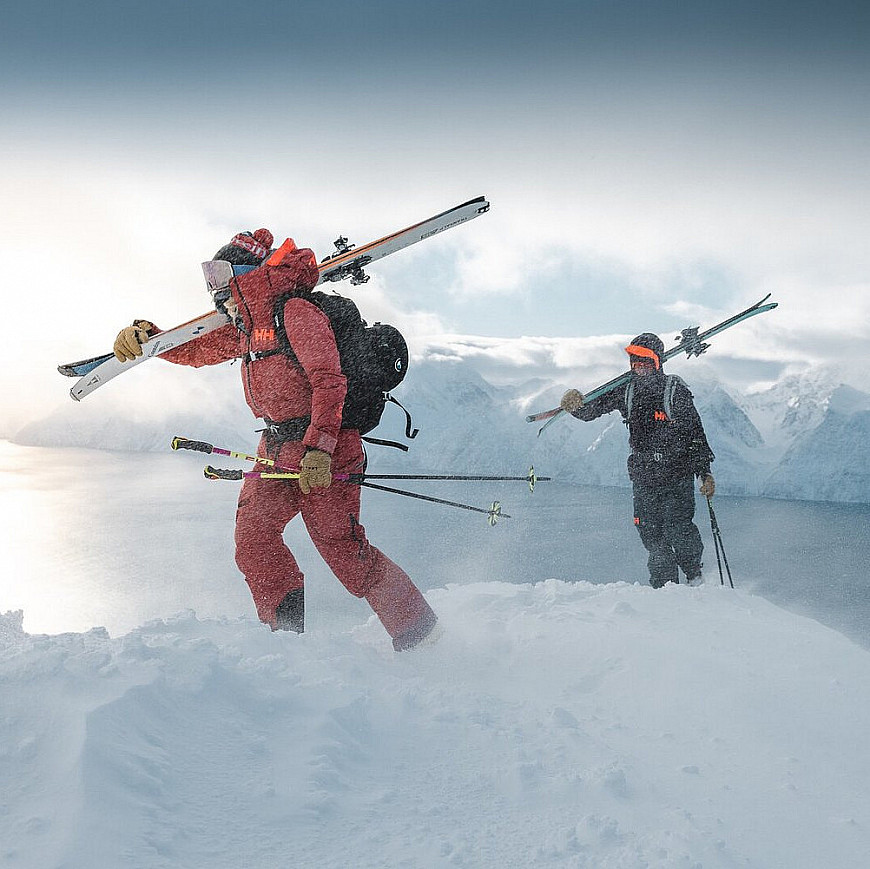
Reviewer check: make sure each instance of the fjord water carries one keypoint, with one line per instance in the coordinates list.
(112, 539)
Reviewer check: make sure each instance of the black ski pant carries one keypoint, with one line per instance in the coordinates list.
(663, 513)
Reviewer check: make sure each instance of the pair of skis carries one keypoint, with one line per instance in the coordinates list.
(691, 342)
(347, 262)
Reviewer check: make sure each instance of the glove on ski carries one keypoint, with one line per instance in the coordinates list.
(128, 344)
(572, 400)
(708, 486)
(315, 471)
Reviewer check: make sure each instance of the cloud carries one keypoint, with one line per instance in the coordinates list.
(643, 169)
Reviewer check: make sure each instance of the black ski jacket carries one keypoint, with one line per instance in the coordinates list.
(664, 446)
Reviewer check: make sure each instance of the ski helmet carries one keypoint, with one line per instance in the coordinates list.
(246, 248)
(647, 345)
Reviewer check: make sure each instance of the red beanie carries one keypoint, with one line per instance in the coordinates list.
(258, 243)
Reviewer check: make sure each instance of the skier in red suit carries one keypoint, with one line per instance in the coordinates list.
(302, 407)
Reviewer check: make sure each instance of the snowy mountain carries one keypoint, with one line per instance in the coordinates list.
(792, 406)
(829, 461)
(804, 437)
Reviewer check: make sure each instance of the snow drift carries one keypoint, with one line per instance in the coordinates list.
(555, 724)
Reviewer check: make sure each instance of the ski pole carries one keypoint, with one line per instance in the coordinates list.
(715, 542)
(531, 478)
(494, 512)
(179, 443)
(720, 546)
(212, 473)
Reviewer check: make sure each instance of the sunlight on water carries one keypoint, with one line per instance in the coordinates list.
(116, 539)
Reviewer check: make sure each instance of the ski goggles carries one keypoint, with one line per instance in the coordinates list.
(644, 353)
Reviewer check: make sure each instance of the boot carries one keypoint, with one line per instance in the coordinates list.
(290, 613)
(415, 635)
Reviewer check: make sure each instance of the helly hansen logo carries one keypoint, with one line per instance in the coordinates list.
(251, 244)
(263, 336)
(660, 416)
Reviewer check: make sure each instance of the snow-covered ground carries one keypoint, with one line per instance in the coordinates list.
(555, 724)
(558, 722)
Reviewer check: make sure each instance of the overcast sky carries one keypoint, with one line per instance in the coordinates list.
(650, 165)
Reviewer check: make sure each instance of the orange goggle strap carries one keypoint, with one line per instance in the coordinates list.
(637, 350)
(277, 258)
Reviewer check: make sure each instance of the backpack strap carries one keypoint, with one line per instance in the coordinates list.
(281, 329)
(384, 443)
(671, 381)
(670, 386)
(409, 432)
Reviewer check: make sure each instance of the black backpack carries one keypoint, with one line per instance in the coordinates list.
(374, 359)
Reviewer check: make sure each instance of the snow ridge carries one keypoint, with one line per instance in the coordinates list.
(562, 724)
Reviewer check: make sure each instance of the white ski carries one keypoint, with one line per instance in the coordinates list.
(347, 262)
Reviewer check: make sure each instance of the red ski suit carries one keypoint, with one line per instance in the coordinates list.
(277, 389)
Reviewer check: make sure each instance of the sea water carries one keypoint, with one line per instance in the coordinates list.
(109, 539)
